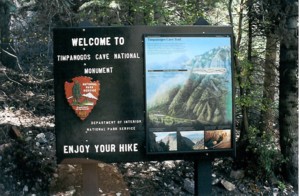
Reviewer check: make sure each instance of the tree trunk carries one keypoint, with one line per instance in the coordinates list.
(246, 90)
(158, 14)
(4, 22)
(288, 97)
(5, 49)
(267, 114)
(237, 67)
(139, 14)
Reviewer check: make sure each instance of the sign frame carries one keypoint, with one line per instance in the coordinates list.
(126, 79)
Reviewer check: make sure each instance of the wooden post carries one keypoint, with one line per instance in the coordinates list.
(90, 179)
(202, 177)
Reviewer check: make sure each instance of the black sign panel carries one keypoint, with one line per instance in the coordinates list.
(100, 94)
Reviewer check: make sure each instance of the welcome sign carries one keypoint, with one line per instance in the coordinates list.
(112, 102)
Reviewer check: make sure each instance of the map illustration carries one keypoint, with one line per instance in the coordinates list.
(188, 81)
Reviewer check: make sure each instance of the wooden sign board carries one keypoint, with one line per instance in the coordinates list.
(104, 78)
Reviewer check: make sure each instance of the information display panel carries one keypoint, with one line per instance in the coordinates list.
(189, 93)
(107, 80)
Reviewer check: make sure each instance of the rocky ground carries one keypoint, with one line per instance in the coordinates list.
(28, 163)
(28, 167)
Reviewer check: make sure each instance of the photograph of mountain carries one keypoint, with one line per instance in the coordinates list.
(163, 141)
(177, 141)
(191, 84)
(191, 140)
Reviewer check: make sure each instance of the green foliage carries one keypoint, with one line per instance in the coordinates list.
(267, 158)
(281, 185)
(33, 22)
(99, 12)
(11, 6)
(144, 12)
(249, 91)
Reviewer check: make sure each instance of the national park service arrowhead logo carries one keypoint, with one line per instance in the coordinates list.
(82, 95)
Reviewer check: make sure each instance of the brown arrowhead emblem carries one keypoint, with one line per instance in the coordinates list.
(82, 95)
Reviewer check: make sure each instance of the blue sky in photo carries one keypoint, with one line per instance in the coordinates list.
(162, 135)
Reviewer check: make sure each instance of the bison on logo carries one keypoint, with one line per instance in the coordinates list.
(82, 95)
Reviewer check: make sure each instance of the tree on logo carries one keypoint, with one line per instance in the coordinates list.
(76, 92)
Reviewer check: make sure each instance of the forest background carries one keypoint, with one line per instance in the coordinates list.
(265, 64)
